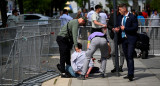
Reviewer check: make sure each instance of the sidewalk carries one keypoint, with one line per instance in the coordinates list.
(143, 76)
(147, 73)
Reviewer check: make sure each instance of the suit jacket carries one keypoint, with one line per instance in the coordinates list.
(131, 27)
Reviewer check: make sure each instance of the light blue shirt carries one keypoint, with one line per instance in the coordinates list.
(141, 20)
(123, 23)
(65, 19)
(77, 61)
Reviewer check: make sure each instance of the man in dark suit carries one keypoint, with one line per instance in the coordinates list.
(127, 25)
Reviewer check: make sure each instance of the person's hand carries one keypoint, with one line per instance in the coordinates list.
(104, 25)
(116, 29)
(77, 49)
(122, 27)
(86, 76)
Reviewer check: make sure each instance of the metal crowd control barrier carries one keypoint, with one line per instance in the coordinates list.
(24, 52)
(149, 26)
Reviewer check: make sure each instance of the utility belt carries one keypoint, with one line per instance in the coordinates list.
(96, 30)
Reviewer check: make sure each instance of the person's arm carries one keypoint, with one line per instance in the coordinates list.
(75, 35)
(69, 18)
(98, 23)
(88, 44)
(88, 72)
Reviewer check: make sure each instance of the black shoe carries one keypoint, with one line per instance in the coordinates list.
(126, 77)
(130, 77)
(102, 75)
(114, 70)
(63, 75)
(59, 67)
(120, 69)
(81, 77)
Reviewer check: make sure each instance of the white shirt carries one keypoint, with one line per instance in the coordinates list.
(65, 19)
(103, 18)
(95, 16)
(77, 61)
(155, 20)
(89, 15)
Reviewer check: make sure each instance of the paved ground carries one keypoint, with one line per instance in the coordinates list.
(153, 65)
(147, 72)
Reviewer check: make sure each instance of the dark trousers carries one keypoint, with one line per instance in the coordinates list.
(64, 50)
(128, 49)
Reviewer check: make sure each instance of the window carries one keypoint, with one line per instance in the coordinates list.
(31, 17)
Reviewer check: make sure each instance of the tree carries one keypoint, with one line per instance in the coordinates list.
(43, 6)
(110, 5)
(3, 8)
(81, 3)
(155, 5)
(123, 1)
(135, 5)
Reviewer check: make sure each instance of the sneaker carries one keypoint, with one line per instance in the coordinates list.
(81, 77)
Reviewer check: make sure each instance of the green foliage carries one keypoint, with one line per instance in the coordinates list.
(36, 6)
(155, 4)
(123, 1)
(41, 6)
(81, 3)
(110, 4)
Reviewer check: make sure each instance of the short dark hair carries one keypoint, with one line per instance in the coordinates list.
(14, 11)
(92, 8)
(123, 5)
(65, 10)
(79, 46)
(98, 6)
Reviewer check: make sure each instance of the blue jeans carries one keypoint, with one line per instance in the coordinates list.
(70, 70)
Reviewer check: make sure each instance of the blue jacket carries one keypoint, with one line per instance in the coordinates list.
(131, 27)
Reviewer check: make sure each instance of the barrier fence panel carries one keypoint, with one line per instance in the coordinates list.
(151, 27)
(24, 52)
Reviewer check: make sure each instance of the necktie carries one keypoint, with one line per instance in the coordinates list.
(124, 22)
